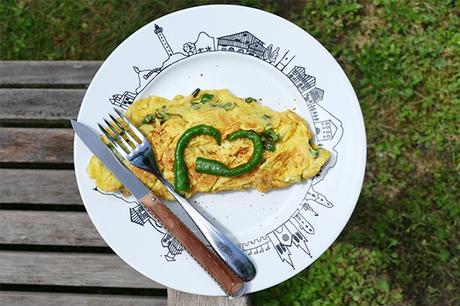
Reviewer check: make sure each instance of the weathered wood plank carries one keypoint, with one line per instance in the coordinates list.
(179, 298)
(38, 187)
(48, 228)
(16, 298)
(36, 145)
(40, 104)
(47, 73)
(70, 269)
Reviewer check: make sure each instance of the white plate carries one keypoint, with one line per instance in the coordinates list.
(283, 231)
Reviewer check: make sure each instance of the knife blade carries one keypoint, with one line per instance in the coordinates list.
(105, 155)
(226, 278)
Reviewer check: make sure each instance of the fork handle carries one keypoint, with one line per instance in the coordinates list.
(209, 261)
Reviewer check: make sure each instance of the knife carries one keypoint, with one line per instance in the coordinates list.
(229, 282)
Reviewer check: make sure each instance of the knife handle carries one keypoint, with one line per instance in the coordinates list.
(209, 261)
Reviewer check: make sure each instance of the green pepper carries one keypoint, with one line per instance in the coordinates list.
(206, 98)
(250, 100)
(210, 166)
(181, 180)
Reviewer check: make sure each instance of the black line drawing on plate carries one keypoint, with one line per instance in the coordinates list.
(328, 128)
(172, 56)
(247, 43)
(203, 43)
(295, 230)
(140, 216)
(284, 61)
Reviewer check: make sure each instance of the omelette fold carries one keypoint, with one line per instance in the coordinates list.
(293, 160)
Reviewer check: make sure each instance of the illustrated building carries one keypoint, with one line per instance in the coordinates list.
(123, 100)
(138, 215)
(173, 246)
(316, 94)
(284, 61)
(301, 80)
(159, 31)
(243, 42)
(325, 130)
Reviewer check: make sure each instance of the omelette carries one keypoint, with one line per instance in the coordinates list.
(288, 161)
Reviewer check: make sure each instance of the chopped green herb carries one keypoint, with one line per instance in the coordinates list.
(196, 92)
(268, 144)
(250, 100)
(148, 119)
(162, 115)
(314, 153)
(227, 106)
(272, 135)
(206, 98)
(269, 139)
(266, 117)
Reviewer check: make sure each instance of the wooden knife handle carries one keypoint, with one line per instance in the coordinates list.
(210, 261)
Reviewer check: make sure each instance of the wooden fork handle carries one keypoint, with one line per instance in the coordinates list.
(209, 261)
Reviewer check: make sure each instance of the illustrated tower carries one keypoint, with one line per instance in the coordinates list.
(159, 31)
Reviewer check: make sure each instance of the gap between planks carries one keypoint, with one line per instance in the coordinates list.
(18, 298)
(67, 269)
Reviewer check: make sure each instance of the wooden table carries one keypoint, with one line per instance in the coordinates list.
(50, 252)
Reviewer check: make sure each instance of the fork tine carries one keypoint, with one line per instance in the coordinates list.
(123, 130)
(118, 136)
(132, 127)
(119, 148)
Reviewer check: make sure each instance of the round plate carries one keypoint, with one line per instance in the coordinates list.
(252, 53)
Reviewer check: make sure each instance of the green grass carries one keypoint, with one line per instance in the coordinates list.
(403, 58)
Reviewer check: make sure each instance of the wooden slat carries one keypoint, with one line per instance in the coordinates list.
(36, 145)
(47, 73)
(48, 228)
(40, 104)
(178, 298)
(15, 298)
(38, 187)
(69, 269)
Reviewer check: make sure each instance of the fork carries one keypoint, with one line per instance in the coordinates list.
(140, 154)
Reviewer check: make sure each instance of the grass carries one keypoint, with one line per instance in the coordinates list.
(403, 58)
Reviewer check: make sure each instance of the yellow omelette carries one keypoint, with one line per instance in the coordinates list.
(293, 160)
